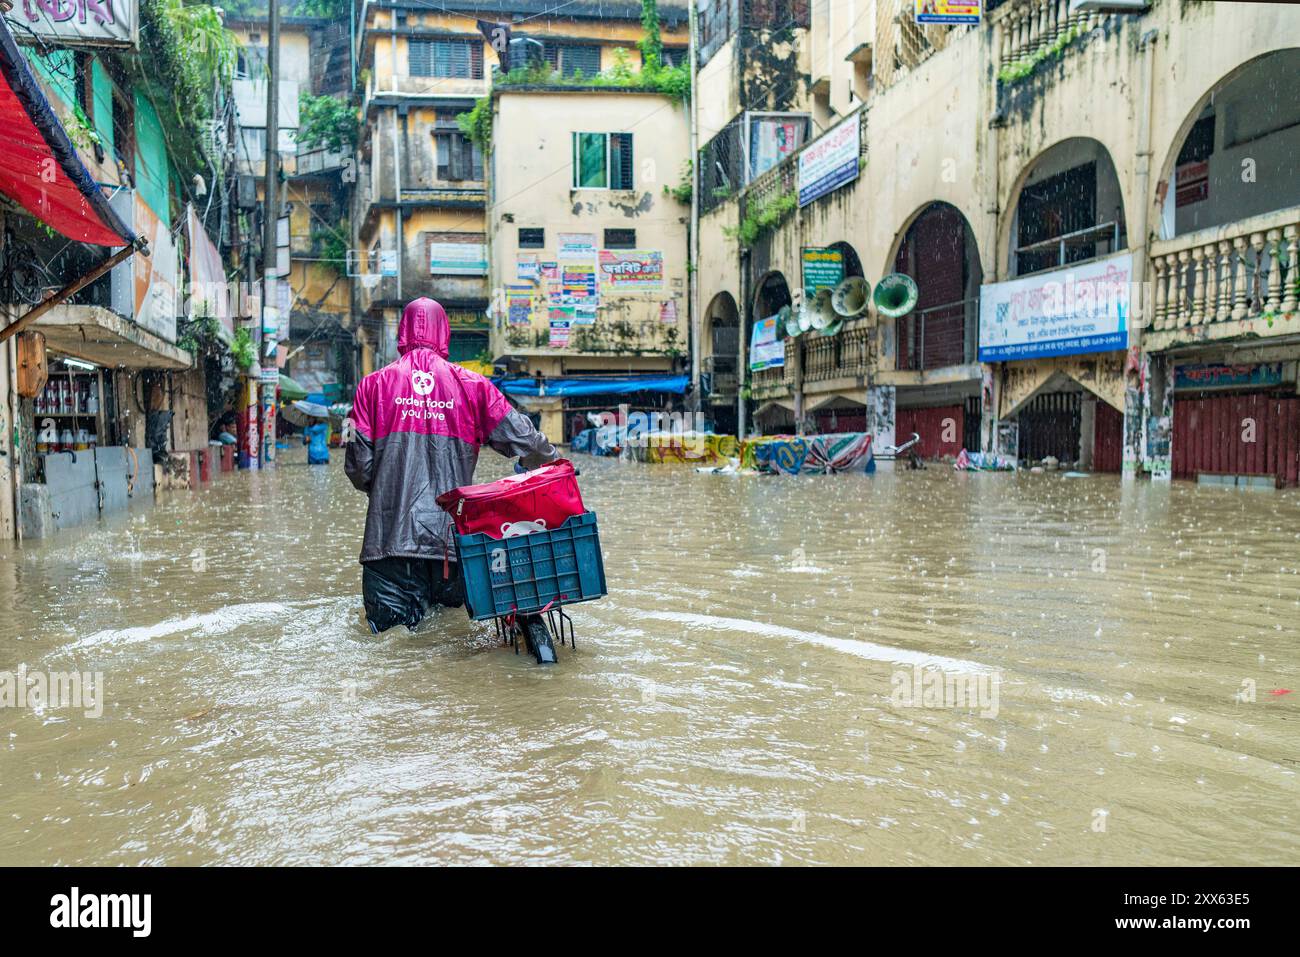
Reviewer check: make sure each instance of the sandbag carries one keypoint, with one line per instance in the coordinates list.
(536, 501)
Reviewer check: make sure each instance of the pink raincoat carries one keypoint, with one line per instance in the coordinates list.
(419, 423)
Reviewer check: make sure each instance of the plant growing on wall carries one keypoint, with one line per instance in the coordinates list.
(762, 217)
(651, 43)
(241, 349)
(1014, 72)
(331, 245)
(326, 121)
(682, 191)
(477, 123)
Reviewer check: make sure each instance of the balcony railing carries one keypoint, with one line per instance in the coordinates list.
(1028, 29)
(845, 355)
(936, 337)
(1227, 273)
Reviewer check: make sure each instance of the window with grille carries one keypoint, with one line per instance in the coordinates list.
(570, 59)
(620, 239)
(675, 56)
(530, 238)
(461, 59)
(602, 161)
(776, 14)
(458, 158)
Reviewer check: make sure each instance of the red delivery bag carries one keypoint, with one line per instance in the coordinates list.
(535, 501)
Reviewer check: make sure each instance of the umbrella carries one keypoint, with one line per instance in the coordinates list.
(303, 414)
(290, 390)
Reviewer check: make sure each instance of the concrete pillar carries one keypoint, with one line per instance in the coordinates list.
(1136, 387)
(1157, 450)
(881, 417)
(1087, 430)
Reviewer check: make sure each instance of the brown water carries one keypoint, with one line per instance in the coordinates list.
(729, 702)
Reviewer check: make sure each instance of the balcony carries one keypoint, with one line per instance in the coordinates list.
(1226, 281)
(315, 162)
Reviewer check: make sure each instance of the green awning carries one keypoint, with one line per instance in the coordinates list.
(290, 390)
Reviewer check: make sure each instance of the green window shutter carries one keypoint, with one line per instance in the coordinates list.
(151, 163)
(103, 93)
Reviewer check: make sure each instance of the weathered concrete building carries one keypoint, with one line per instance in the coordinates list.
(1050, 148)
(440, 213)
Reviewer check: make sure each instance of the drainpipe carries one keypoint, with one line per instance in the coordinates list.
(697, 321)
(742, 367)
(1135, 440)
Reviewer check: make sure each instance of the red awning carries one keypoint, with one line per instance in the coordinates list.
(39, 167)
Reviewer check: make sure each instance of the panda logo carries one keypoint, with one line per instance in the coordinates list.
(515, 529)
(422, 382)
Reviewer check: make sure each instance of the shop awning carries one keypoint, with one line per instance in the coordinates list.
(290, 390)
(596, 385)
(39, 166)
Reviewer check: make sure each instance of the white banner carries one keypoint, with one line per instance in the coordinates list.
(830, 161)
(1062, 312)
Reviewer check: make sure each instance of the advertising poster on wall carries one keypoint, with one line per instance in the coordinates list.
(830, 161)
(579, 281)
(773, 137)
(631, 270)
(1062, 312)
(823, 268)
(765, 350)
(560, 333)
(528, 269)
(519, 304)
(951, 12)
(580, 247)
(155, 275)
(668, 311)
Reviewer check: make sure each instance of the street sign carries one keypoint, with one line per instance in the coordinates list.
(76, 23)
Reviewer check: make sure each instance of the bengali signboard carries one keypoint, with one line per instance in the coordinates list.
(77, 22)
(458, 259)
(1221, 375)
(1062, 312)
(951, 12)
(830, 161)
(765, 350)
(577, 246)
(632, 270)
(823, 268)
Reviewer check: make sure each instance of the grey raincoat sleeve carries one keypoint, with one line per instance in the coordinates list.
(515, 436)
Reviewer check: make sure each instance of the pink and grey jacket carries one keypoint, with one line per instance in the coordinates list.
(419, 423)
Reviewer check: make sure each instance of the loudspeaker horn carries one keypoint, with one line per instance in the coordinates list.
(820, 312)
(851, 297)
(895, 295)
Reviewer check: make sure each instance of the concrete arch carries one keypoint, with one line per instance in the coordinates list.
(1003, 266)
(721, 312)
(897, 242)
(1165, 183)
(771, 292)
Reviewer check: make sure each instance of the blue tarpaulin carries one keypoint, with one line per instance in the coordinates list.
(621, 385)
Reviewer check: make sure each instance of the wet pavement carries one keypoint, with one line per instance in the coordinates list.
(735, 699)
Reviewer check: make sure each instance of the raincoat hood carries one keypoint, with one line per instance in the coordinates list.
(424, 325)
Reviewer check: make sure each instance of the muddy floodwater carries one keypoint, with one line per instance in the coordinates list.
(745, 694)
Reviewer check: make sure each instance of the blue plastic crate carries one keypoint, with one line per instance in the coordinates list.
(527, 572)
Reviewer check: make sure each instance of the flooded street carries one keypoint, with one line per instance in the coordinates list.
(728, 702)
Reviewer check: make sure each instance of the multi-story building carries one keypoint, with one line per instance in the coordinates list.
(314, 63)
(1096, 201)
(574, 177)
(104, 372)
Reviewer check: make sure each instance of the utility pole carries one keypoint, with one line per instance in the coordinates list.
(693, 252)
(270, 237)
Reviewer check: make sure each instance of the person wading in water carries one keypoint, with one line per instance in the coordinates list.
(419, 423)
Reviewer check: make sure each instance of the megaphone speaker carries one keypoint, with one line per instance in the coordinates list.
(895, 295)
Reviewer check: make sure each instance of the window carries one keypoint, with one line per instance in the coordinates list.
(777, 14)
(458, 158)
(570, 59)
(602, 161)
(620, 239)
(124, 131)
(461, 59)
(251, 61)
(675, 56)
(715, 20)
(530, 238)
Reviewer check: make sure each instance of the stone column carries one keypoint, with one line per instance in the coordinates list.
(881, 412)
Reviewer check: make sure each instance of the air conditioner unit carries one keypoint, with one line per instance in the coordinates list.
(1108, 6)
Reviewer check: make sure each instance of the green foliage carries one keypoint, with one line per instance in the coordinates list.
(682, 191)
(329, 9)
(186, 62)
(477, 123)
(651, 43)
(653, 77)
(762, 217)
(81, 131)
(326, 121)
(200, 334)
(332, 245)
(242, 348)
(1015, 72)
